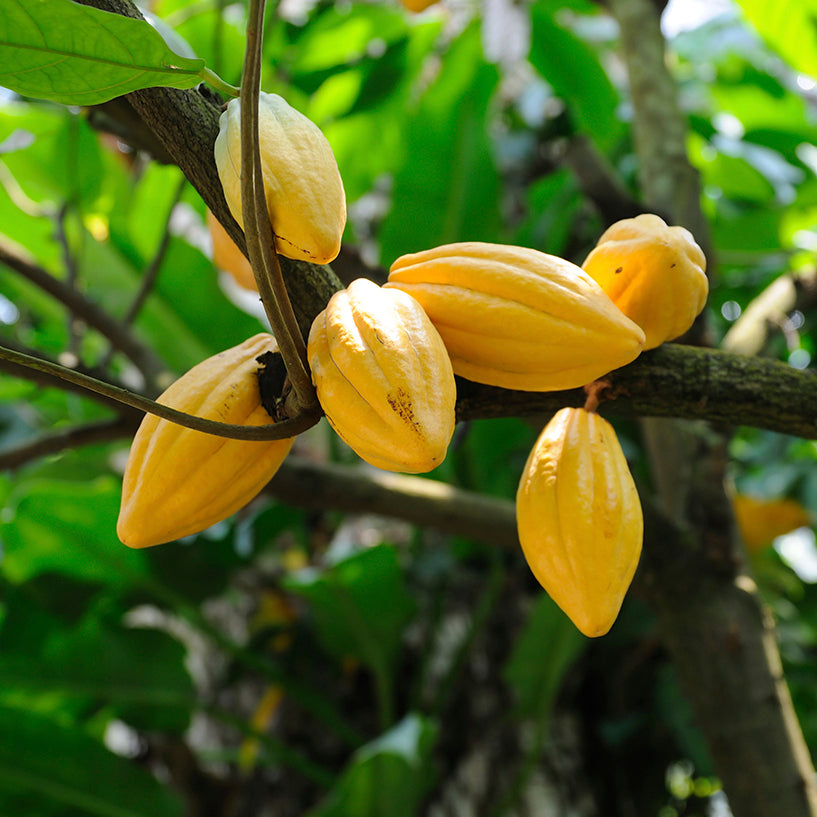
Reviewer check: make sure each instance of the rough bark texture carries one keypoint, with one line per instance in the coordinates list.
(714, 624)
(675, 381)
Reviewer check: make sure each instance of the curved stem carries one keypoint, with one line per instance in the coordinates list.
(275, 431)
(257, 227)
(213, 79)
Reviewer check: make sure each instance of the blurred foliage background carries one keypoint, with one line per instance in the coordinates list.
(291, 662)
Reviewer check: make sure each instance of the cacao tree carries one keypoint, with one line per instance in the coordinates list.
(353, 641)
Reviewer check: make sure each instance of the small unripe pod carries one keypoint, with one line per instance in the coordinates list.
(227, 257)
(305, 198)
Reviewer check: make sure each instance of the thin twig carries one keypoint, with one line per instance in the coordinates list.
(102, 431)
(119, 336)
(275, 431)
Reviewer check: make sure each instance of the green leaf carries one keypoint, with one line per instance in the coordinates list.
(67, 767)
(789, 27)
(80, 55)
(448, 189)
(52, 525)
(388, 777)
(574, 72)
(360, 605)
(543, 653)
(103, 662)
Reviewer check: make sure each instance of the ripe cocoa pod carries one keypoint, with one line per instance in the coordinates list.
(761, 521)
(417, 6)
(179, 481)
(304, 191)
(655, 274)
(227, 257)
(517, 318)
(383, 377)
(579, 518)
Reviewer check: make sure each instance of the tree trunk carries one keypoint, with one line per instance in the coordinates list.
(716, 629)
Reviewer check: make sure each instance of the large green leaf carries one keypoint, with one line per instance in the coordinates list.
(789, 27)
(104, 662)
(67, 767)
(573, 70)
(388, 777)
(79, 55)
(51, 525)
(448, 187)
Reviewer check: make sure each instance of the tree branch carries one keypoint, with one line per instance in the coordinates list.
(713, 622)
(120, 338)
(102, 431)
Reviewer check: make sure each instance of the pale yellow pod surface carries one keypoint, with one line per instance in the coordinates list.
(579, 518)
(518, 318)
(305, 197)
(179, 481)
(655, 274)
(383, 377)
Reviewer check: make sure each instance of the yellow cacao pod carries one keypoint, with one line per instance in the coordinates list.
(383, 377)
(304, 191)
(761, 521)
(417, 6)
(179, 481)
(655, 274)
(227, 257)
(579, 518)
(517, 318)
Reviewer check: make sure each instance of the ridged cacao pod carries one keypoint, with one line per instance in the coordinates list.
(179, 481)
(579, 518)
(304, 191)
(761, 521)
(517, 318)
(655, 274)
(383, 377)
(227, 257)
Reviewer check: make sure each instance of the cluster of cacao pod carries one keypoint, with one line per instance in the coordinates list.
(383, 361)
(179, 481)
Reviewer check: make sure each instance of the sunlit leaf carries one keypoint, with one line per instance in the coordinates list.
(789, 27)
(80, 55)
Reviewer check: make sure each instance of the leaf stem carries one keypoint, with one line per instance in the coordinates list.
(274, 431)
(212, 78)
(258, 229)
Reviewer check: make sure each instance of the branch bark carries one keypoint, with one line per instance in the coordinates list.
(142, 356)
(714, 624)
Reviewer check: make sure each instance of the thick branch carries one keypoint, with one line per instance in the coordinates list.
(676, 381)
(418, 500)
